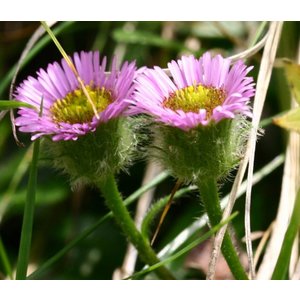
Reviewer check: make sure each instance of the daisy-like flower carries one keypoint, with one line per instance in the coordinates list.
(200, 113)
(66, 111)
(202, 91)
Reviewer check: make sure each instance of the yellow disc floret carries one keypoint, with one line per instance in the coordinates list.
(76, 108)
(196, 97)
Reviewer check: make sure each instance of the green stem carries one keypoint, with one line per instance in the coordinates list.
(209, 195)
(27, 225)
(115, 203)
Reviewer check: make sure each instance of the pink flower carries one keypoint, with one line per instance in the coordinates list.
(66, 112)
(201, 91)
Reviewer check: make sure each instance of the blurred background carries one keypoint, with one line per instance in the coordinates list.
(61, 213)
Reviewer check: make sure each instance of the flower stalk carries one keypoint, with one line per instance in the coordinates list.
(209, 195)
(115, 203)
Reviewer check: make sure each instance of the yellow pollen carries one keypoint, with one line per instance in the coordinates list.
(196, 97)
(76, 108)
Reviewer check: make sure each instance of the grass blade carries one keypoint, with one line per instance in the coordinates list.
(11, 104)
(5, 260)
(26, 233)
(282, 265)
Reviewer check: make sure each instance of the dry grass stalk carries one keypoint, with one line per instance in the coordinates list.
(296, 275)
(263, 81)
(264, 76)
(294, 258)
(262, 244)
(242, 55)
(290, 185)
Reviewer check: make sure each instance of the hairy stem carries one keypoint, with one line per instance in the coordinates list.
(209, 195)
(115, 203)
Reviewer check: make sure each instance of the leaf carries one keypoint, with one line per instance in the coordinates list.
(282, 265)
(28, 216)
(289, 120)
(145, 38)
(5, 260)
(292, 71)
(10, 104)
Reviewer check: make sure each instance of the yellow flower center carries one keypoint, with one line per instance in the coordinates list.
(196, 97)
(75, 107)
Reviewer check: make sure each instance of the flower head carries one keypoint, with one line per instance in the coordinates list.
(200, 113)
(67, 113)
(202, 91)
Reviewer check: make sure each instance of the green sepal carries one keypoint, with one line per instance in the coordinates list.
(95, 155)
(205, 151)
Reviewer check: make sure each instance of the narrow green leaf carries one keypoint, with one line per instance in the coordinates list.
(282, 265)
(26, 233)
(5, 260)
(186, 249)
(11, 104)
(289, 120)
